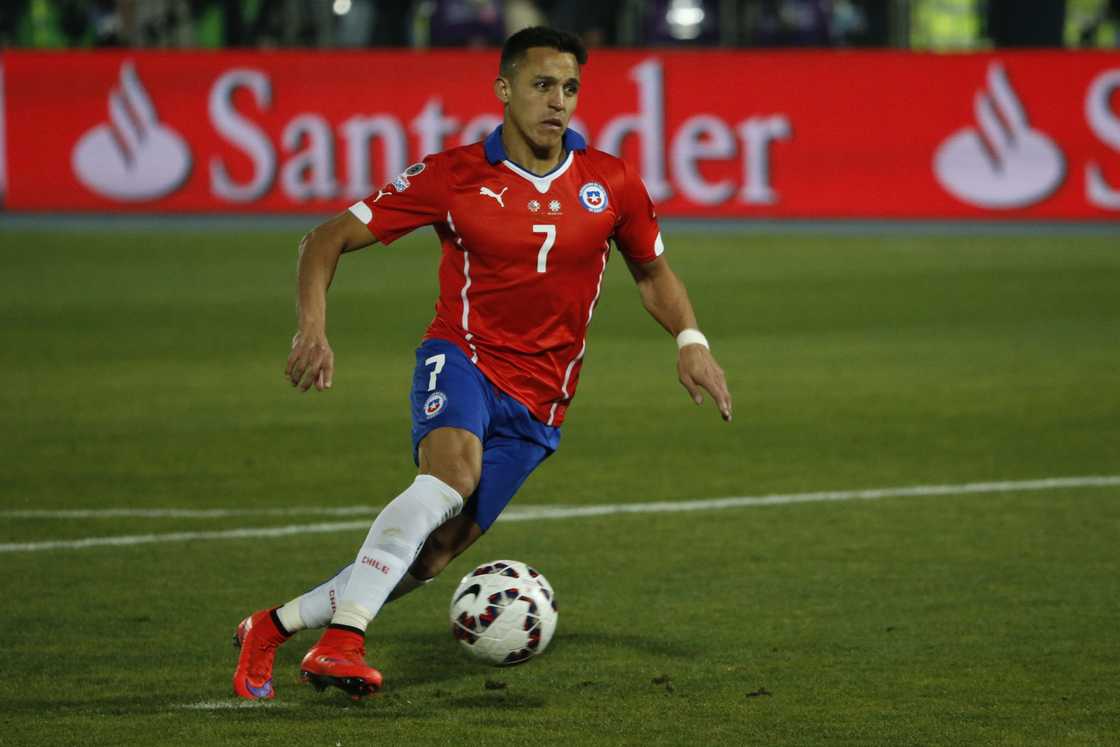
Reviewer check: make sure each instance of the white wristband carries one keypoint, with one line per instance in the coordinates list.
(692, 337)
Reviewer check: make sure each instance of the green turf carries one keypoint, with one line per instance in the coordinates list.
(144, 370)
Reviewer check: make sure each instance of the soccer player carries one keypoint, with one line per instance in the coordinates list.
(525, 220)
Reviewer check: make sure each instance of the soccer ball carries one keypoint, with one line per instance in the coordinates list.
(504, 612)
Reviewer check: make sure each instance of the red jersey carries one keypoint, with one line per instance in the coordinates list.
(523, 256)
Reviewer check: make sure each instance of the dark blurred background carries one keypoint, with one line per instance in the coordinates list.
(941, 25)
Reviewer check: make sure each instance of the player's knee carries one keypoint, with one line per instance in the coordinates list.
(459, 474)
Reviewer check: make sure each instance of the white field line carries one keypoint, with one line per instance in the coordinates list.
(220, 705)
(526, 513)
(537, 513)
(187, 513)
(144, 539)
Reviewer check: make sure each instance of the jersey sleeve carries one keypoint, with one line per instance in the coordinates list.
(416, 198)
(637, 234)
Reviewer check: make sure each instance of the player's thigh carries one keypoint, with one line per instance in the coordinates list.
(454, 455)
(506, 463)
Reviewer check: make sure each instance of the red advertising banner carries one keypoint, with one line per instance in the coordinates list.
(817, 134)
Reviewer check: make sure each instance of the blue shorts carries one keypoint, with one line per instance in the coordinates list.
(448, 391)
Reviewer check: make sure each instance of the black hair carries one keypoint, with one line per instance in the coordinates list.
(539, 36)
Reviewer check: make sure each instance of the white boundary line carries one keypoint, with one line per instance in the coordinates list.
(546, 512)
(538, 513)
(144, 539)
(526, 513)
(221, 705)
(186, 513)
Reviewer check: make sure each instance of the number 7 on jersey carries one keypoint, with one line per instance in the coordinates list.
(549, 239)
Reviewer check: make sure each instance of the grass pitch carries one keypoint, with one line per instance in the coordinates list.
(144, 370)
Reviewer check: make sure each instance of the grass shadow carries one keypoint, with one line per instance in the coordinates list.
(590, 640)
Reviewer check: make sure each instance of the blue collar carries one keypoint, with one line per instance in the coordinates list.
(496, 152)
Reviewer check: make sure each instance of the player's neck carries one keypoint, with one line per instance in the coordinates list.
(521, 152)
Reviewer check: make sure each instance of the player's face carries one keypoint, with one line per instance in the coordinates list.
(541, 96)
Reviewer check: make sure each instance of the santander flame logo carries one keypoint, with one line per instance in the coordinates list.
(133, 156)
(1005, 163)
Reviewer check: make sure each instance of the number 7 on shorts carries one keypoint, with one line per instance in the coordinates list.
(439, 360)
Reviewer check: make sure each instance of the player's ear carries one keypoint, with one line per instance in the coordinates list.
(501, 89)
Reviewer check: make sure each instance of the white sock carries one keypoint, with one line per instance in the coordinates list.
(393, 541)
(315, 608)
(290, 617)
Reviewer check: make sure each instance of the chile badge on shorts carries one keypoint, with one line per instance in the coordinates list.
(434, 404)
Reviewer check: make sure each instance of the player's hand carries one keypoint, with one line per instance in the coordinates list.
(311, 362)
(699, 373)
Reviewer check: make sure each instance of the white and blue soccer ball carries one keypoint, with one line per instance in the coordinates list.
(504, 612)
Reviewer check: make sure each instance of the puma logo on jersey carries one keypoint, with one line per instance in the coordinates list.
(497, 196)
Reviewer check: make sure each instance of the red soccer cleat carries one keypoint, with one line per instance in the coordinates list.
(258, 638)
(339, 660)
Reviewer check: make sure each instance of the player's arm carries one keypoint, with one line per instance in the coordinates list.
(311, 362)
(665, 298)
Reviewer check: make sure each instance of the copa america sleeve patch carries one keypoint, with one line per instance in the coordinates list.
(593, 197)
(401, 183)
